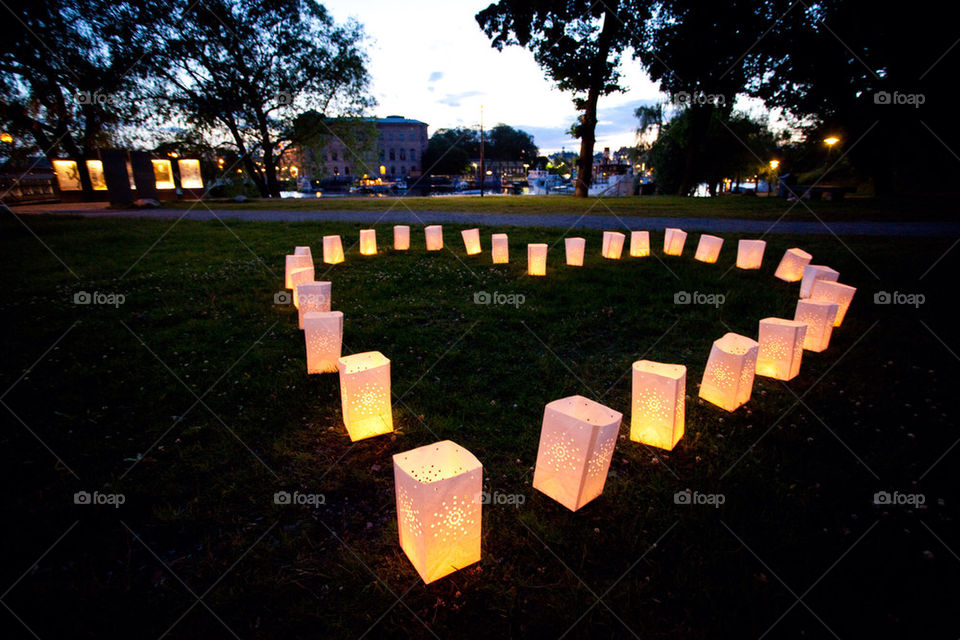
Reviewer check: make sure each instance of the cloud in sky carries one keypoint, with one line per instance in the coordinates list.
(436, 75)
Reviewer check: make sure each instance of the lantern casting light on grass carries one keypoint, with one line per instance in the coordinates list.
(728, 377)
(612, 245)
(323, 334)
(294, 262)
(537, 259)
(708, 249)
(842, 294)
(500, 248)
(781, 348)
(814, 272)
(791, 265)
(639, 244)
(818, 315)
(439, 507)
(434, 236)
(576, 445)
(471, 241)
(332, 250)
(365, 394)
(750, 253)
(368, 242)
(657, 407)
(673, 241)
(312, 296)
(575, 248)
(401, 237)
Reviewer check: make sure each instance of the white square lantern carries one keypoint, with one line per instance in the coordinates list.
(365, 394)
(434, 236)
(312, 296)
(471, 241)
(297, 278)
(303, 251)
(639, 244)
(332, 250)
(537, 259)
(813, 273)
(323, 334)
(818, 315)
(728, 377)
(500, 248)
(401, 237)
(673, 241)
(657, 407)
(842, 294)
(750, 253)
(791, 265)
(708, 249)
(612, 245)
(575, 248)
(781, 348)
(292, 263)
(368, 242)
(439, 490)
(576, 445)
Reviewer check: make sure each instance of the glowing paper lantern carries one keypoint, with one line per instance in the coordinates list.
(781, 348)
(750, 253)
(303, 251)
(401, 237)
(365, 394)
(673, 241)
(728, 377)
(332, 250)
(501, 248)
(639, 244)
(612, 245)
(471, 241)
(575, 248)
(537, 259)
(312, 296)
(323, 334)
(813, 273)
(439, 501)
(819, 316)
(368, 242)
(708, 249)
(657, 409)
(434, 234)
(576, 445)
(791, 265)
(294, 263)
(298, 277)
(842, 294)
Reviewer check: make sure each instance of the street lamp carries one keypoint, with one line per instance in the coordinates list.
(6, 138)
(774, 164)
(832, 140)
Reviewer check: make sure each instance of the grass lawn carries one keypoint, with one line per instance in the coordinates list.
(113, 391)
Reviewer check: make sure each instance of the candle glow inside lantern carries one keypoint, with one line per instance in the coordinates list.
(842, 294)
(500, 248)
(791, 265)
(708, 249)
(401, 237)
(750, 253)
(728, 377)
(575, 248)
(639, 244)
(471, 241)
(673, 241)
(612, 245)
(814, 272)
(537, 259)
(312, 296)
(368, 242)
(365, 394)
(434, 235)
(298, 277)
(332, 250)
(439, 507)
(818, 315)
(294, 263)
(323, 334)
(781, 348)
(576, 445)
(657, 408)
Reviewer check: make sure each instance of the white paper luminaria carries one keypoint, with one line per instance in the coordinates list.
(471, 241)
(439, 507)
(332, 250)
(537, 259)
(312, 296)
(294, 263)
(673, 241)
(728, 377)
(814, 272)
(791, 265)
(303, 251)
(708, 249)
(575, 248)
(612, 245)
(842, 294)
(401, 237)
(298, 277)
(501, 248)
(639, 244)
(750, 253)
(323, 334)
(818, 315)
(365, 394)
(657, 407)
(434, 236)
(576, 445)
(781, 348)
(368, 242)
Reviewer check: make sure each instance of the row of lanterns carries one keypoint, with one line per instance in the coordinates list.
(438, 486)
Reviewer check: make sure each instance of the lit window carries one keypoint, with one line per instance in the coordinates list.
(336, 171)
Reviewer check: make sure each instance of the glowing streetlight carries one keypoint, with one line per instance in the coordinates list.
(774, 164)
(6, 138)
(832, 140)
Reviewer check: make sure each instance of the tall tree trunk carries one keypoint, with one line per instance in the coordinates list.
(699, 125)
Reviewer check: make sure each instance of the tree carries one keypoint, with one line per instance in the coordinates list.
(509, 144)
(449, 151)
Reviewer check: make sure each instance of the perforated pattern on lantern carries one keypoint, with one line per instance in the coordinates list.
(409, 515)
(602, 453)
(563, 452)
(650, 404)
(723, 375)
(369, 400)
(453, 519)
(321, 341)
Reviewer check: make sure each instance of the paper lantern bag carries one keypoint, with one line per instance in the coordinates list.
(365, 394)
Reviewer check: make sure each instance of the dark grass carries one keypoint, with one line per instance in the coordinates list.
(798, 480)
